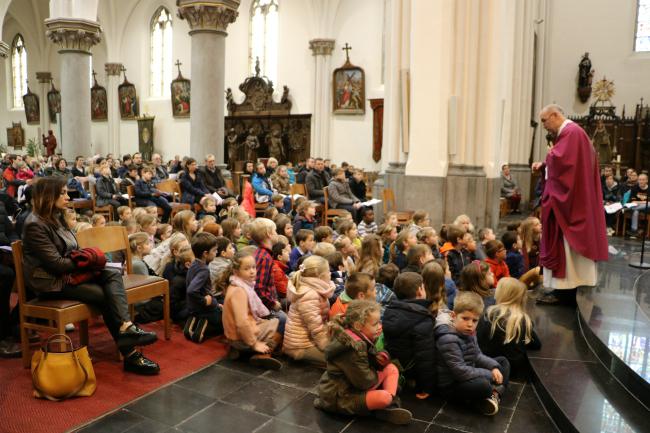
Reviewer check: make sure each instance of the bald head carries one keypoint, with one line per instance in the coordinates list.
(552, 117)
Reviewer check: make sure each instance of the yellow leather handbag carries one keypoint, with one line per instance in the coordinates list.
(60, 375)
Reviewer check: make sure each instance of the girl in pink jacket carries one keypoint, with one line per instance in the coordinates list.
(308, 291)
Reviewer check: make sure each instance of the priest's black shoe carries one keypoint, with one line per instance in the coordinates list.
(135, 336)
(139, 364)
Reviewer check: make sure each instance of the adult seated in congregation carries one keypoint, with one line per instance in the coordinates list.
(611, 194)
(509, 189)
(340, 194)
(79, 170)
(107, 192)
(9, 175)
(301, 176)
(264, 188)
(159, 169)
(573, 235)
(638, 195)
(126, 163)
(192, 183)
(48, 267)
(316, 180)
(213, 178)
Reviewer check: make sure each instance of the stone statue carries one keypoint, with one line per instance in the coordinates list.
(50, 143)
(229, 99)
(252, 144)
(233, 145)
(602, 144)
(285, 95)
(274, 143)
(584, 79)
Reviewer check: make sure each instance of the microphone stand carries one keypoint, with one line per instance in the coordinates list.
(640, 264)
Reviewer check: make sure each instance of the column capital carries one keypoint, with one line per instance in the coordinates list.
(322, 47)
(44, 77)
(208, 15)
(4, 50)
(73, 34)
(113, 68)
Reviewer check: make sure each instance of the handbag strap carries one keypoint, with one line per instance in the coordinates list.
(76, 359)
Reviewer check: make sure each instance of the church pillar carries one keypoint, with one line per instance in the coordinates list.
(113, 71)
(322, 52)
(75, 38)
(44, 78)
(208, 20)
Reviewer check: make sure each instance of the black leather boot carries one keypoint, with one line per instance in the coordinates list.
(139, 364)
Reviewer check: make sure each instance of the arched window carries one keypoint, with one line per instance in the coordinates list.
(161, 52)
(18, 70)
(264, 37)
(642, 37)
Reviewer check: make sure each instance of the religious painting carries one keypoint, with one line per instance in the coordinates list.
(180, 91)
(145, 137)
(16, 136)
(53, 103)
(32, 108)
(98, 103)
(128, 100)
(349, 93)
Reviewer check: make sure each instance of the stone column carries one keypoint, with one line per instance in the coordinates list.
(75, 38)
(320, 134)
(45, 78)
(113, 71)
(208, 20)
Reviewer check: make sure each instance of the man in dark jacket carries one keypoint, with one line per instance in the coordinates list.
(213, 179)
(159, 169)
(463, 372)
(301, 177)
(408, 332)
(316, 180)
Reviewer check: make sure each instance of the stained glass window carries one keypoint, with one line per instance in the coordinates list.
(18, 70)
(264, 38)
(642, 39)
(161, 52)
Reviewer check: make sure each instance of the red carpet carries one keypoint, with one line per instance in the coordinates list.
(20, 412)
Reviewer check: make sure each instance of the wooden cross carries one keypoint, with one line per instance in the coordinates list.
(178, 65)
(347, 49)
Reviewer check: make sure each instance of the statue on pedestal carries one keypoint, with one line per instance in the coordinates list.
(602, 144)
(252, 143)
(233, 145)
(274, 143)
(50, 143)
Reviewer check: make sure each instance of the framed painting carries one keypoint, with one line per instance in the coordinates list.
(349, 90)
(32, 108)
(145, 137)
(98, 103)
(180, 92)
(128, 100)
(16, 136)
(53, 103)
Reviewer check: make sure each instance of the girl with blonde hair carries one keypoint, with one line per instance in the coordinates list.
(309, 290)
(505, 329)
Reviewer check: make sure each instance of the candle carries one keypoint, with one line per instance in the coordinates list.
(618, 158)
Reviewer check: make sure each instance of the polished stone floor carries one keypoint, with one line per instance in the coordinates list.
(232, 397)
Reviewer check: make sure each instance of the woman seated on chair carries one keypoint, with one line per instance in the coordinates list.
(340, 194)
(47, 244)
(192, 184)
(264, 189)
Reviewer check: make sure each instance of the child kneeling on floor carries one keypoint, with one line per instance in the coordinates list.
(243, 313)
(464, 373)
(305, 335)
(359, 380)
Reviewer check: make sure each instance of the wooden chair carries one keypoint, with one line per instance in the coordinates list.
(330, 215)
(138, 287)
(388, 197)
(504, 207)
(130, 191)
(56, 313)
(172, 188)
(627, 216)
(230, 186)
(107, 210)
(297, 188)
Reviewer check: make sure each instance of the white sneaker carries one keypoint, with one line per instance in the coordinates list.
(489, 406)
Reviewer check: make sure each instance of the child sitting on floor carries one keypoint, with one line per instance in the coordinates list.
(428, 236)
(208, 207)
(398, 249)
(357, 286)
(463, 372)
(140, 245)
(457, 258)
(244, 314)
(349, 229)
(359, 380)
(477, 277)
(496, 253)
(306, 216)
(338, 274)
(324, 234)
(434, 285)
(280, 253)
(178, 286)
(506, 329)
(367, 225)
(305, 335)
(222, 260)
(304, 246)
(450, 286)
(343, 244)
(388, 234)
(408, 332)
(384, 282)
(514, 258)
(203, 307)
(417, 256)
